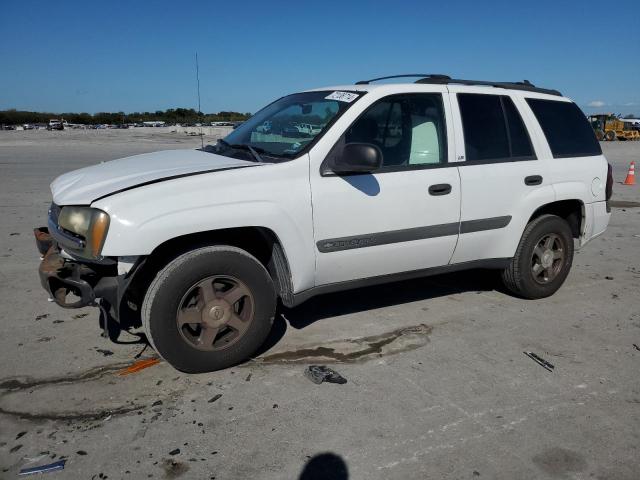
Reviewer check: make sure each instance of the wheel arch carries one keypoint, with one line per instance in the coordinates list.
(261, 242)
(572, 210)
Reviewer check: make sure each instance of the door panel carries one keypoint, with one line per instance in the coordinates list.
(401, 218)
(369, 225)
(496, 196)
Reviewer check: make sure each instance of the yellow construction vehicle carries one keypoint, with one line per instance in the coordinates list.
(609, 127)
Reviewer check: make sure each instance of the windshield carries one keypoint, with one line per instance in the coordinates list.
(285, 128)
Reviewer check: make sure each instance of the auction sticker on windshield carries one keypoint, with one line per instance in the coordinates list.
(342, 96)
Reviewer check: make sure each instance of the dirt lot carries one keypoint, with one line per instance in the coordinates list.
(438, 385)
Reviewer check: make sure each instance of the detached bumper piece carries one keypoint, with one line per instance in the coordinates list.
(69, 283)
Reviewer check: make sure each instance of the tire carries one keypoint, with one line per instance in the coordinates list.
(610, 135)
(191, 288)
(534, 273)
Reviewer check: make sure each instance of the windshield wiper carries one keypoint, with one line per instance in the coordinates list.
(255, 151)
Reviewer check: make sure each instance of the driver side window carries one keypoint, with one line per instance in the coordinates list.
(409, 130)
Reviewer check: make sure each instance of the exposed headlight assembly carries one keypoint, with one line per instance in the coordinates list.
(86, 229)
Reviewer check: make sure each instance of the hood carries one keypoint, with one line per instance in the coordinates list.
(81, 187)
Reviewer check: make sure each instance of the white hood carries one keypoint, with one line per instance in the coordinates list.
(81, 187)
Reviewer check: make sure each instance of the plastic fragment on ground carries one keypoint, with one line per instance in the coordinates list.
(140, 365)
(50, 467)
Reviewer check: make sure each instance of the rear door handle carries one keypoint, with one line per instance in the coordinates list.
(533, 180)
(439, 189)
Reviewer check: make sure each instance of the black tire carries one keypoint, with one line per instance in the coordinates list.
(166, 295)
(520, 277)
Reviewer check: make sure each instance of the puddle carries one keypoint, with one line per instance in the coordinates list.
(88, 396)
(623, 204)
(25, 383)
(358, 349)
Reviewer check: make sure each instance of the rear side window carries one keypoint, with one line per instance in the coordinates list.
(567, 129)
(493, 129)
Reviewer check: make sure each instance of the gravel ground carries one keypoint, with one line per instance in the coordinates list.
(438, 386)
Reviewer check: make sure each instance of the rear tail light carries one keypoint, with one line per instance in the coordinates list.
(609, 188)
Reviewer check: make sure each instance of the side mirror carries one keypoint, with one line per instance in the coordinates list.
(357, 158)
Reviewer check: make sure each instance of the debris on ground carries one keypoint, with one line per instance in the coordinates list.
(140, 365)
(215, 398)
(156, 403)
(106, 353)
(608, 277)
(248, 378)
(174, 452)
(540, 361)
(636, 347)
(51, 467)
(321, 373)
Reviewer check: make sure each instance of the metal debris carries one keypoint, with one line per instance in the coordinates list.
(215, 398)
(321, 373)
(636, 347)
(51, 467)
(540, 361)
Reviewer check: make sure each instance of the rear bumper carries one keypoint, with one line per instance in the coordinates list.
(597, 216)
(70, 283)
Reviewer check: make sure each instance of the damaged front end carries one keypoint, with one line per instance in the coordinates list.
(72, 284)
(75, 283)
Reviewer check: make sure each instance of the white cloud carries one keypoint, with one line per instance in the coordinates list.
(596, 103)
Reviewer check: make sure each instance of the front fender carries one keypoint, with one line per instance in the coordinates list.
(276, 197)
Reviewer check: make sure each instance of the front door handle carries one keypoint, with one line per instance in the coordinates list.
(533, 180)
(439, 189)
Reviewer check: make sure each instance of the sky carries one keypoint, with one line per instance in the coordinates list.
(128, 56)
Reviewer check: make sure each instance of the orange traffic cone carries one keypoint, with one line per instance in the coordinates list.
(631, 176)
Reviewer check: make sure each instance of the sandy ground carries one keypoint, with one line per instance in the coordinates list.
(449, 395)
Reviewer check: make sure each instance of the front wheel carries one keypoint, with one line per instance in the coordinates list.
(209, 309)
(543, 258)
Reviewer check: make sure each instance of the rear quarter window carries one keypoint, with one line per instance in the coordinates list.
(568, 131)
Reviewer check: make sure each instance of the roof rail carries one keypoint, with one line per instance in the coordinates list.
(434, 76)
(525, 85)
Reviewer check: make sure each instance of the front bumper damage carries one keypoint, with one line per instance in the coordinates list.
(71, 283)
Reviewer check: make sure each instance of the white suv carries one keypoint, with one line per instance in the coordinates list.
(403, 180)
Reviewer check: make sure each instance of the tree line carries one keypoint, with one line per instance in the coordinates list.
(172, 115)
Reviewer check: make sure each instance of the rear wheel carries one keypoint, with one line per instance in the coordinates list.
(543, 258)
(610, 135)
(209, 309)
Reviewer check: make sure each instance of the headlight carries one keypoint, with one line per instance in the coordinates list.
(89, 224)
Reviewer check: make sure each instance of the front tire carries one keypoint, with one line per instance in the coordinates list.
(543, 258)
(209, 309)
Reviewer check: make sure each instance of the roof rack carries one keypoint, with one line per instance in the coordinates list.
(524, 85)
(438, 79)
(435, 76)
